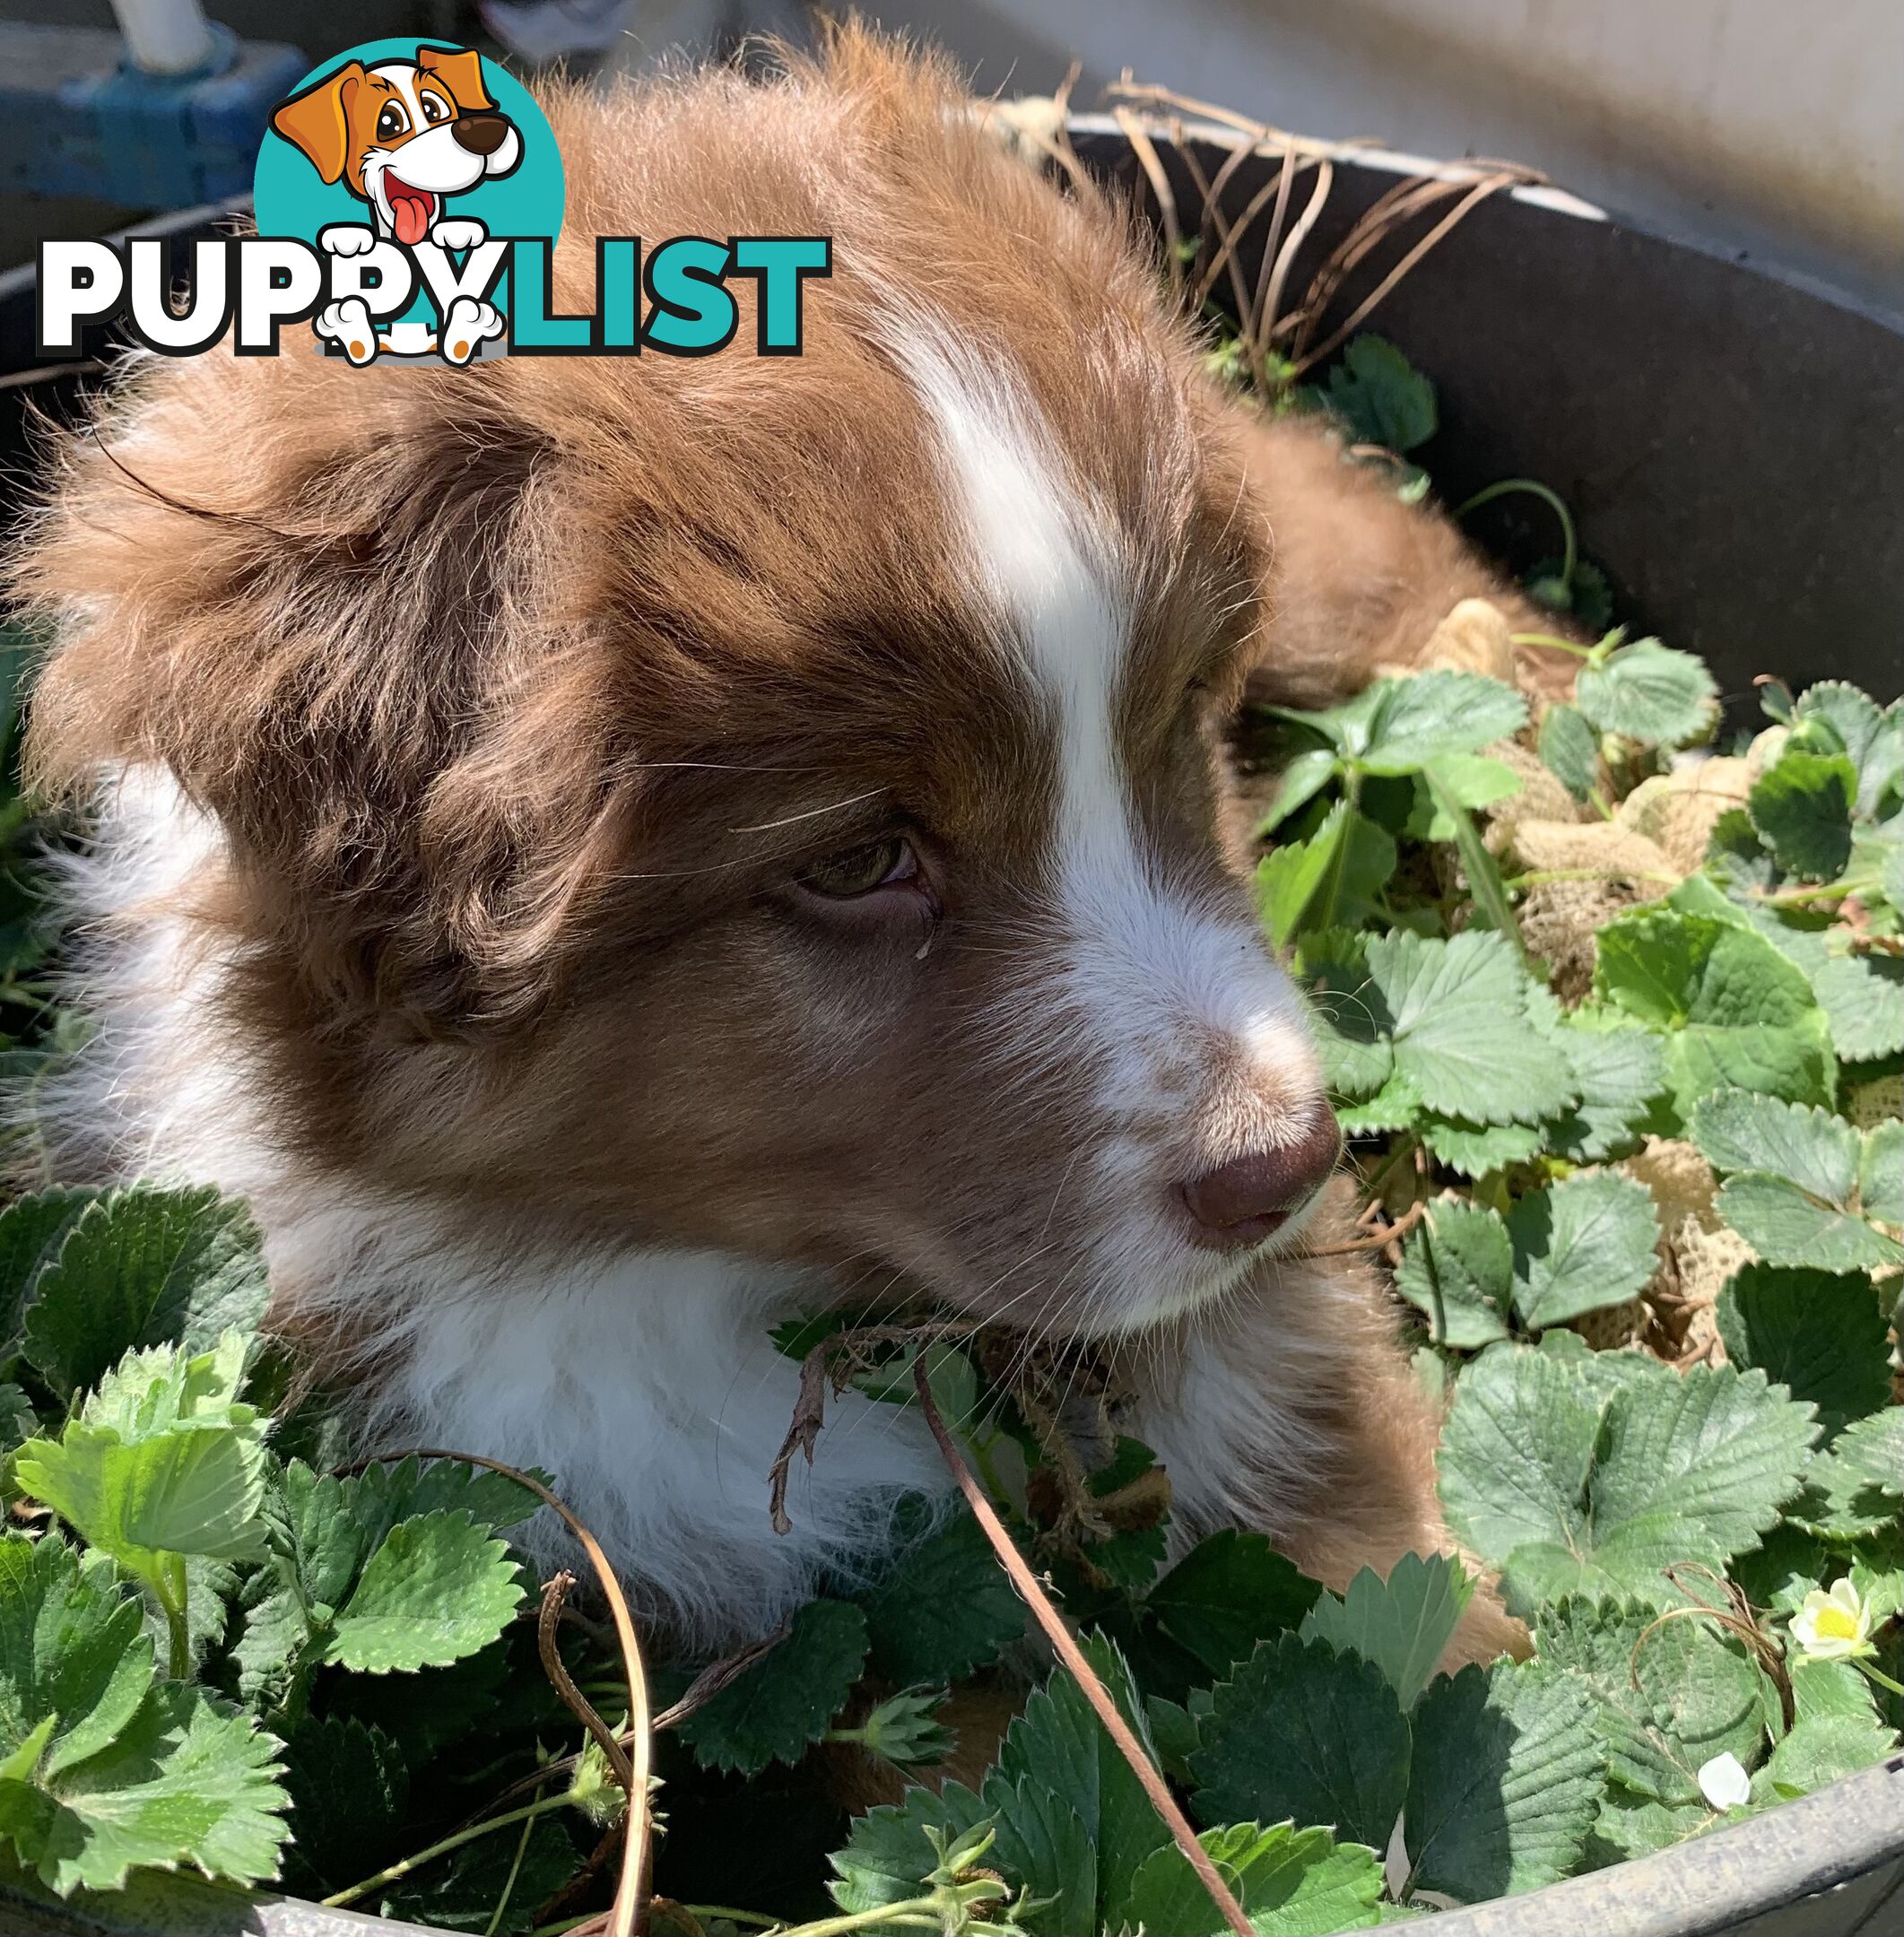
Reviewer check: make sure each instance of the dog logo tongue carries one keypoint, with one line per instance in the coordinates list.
(409, 210)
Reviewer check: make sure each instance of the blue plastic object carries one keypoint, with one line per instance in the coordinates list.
(76, 118)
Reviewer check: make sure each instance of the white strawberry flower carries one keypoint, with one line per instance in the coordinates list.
(1724, 1782)
(1833, 1625)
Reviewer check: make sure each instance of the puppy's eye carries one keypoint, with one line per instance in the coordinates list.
(434, 109)
(854, 871)
(392, 122)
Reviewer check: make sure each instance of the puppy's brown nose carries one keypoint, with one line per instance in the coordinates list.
(1246, 1200)
(480, 134)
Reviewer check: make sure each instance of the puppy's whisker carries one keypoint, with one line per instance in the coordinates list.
(812, 813)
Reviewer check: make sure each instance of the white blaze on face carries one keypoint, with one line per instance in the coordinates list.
(1170, 992)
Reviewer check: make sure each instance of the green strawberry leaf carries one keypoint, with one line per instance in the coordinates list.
(1381, 395)
(1399, 726)
(18, 1421)
(1668, 1696)
(1621, 1072)
(1230, 1592)
(1301, 1732)
(1505, 1784)
(1350, 1027)
(1569, 748)
(1786, 1224)
(331, 1531)
(1734, 1012)
(143, 1267)
(1058, 1746)
(32, 1230)
(105, 1770)
(349, 1785)
(1821, 1749)
(162, 1461)
(1176, 1729)
(1863, 998)
(437, 1588)
(1881, 1173)
(1394, 1106)
(1458, 1270)
(888, 1857)
(1299, 782)
(1571, 1483)
(1861, 995)
(1816, 1150)
(1581, 1244)
(784, 1702)
(1803, 808)
(1401, 1624)
(1737, 862)
(1290, 877)
(1456, 1015)
(1630, 1825)
(1469, 780)
(385, 1493)
(1042, 1847)
(1473, 1150)
(1862, 1477)
(944, 1609)
(1331, 876)
(1649, 692)
(1819, 1334)
(1290, 1882)
(1872, 738)
(1435, 716)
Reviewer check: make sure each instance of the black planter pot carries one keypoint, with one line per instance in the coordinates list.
(1731, 448)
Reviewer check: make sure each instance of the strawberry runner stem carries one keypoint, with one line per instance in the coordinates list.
(629, 1913)
(1072, 1657)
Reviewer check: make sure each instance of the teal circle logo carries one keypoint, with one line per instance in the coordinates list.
(416, 145)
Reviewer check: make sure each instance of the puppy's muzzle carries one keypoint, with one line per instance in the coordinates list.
(480, 134)
(1251, 1197)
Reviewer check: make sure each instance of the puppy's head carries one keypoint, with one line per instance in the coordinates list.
(402, 135)
(770, 806)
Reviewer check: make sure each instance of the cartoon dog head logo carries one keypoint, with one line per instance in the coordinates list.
(415, 172)
(404, 135)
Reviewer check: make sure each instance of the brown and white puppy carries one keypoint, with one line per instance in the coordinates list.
(605, 856)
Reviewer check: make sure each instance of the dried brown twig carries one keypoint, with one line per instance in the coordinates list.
(1072, 1657)
(1738, 1617)
(555, 1591)
(630, 1911)
(1265, 327)
(47, 372)
(714, 1677)
(822, 1367)
(1377, 1238)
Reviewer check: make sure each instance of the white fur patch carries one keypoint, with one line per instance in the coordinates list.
(1167, 989)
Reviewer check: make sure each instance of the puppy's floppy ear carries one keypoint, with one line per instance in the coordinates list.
(353, 645)
(317, 121)
(461, 71)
